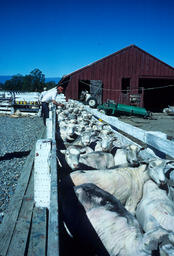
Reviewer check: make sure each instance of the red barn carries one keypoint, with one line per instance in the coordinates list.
(130, 76)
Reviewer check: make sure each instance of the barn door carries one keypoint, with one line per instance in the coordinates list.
(96, 90)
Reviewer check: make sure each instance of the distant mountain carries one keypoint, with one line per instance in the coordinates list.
(52, 79)
(4, 78)
(47, 79)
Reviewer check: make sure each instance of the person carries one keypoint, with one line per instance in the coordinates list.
(43, 93)
(40, 101)
(49, 97)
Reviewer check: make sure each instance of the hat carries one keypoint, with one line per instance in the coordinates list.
(60, 88)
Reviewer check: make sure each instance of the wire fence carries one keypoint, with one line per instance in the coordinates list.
(119, 90)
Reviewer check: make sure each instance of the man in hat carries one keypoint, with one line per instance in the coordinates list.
(49, 97)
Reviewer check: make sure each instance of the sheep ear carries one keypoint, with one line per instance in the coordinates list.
(169, 161)
(82, 150)
(152, 244)
(145, 161)
(125, 146)
(63, 151)
(143, 148)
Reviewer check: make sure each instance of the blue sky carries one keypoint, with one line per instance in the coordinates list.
(59, 37)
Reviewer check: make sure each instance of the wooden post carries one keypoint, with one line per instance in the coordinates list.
(42, 177)
(49, 128)
(53, 225)
(12, 110)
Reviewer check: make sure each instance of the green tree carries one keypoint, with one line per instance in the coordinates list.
(14, 84)
(27, 82)
(38, 80)
(1, 86)
(35, 81)
(50, 85)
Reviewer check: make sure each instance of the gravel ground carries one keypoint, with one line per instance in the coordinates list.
(18, 135)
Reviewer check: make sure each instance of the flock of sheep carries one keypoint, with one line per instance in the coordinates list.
(126, 192)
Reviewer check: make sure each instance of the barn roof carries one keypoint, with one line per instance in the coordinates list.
(113, 54)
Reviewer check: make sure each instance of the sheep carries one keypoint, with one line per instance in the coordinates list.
(68, 131)
(118, 230)
(84, 139)
(169, 173)
(72, 155)
(61, 117)
(125, 183)
(91, 160)
(80, 129)
(167, 250)
(155, 208)
(105, 143)
(97, 160)
(127, 155)
(124, 156)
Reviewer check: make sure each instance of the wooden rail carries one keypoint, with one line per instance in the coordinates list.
(53, 224)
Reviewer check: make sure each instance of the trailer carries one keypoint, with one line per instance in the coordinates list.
(112, 108)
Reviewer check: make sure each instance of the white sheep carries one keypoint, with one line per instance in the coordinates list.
(155, 208)
(76, 158)
(126, 184)
(118, 230)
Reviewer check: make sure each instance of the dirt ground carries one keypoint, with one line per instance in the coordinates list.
(158, 122)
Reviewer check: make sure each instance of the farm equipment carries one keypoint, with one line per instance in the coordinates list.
(169, 111)
(112, 108)
(27, 101)
(88, 99)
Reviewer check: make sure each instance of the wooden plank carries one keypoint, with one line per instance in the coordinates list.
(165, 146)
(20, 235)
(42, 173)
(10, 219)
(53, 225)
(49, 128)
(38, 236)
(54, 123)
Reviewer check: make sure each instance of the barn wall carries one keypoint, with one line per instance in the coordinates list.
(131, 62)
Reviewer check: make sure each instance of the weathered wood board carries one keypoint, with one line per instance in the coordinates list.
(38, 236)
(53, 225)
(8, 225)
(16, 223)
(20, 235)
